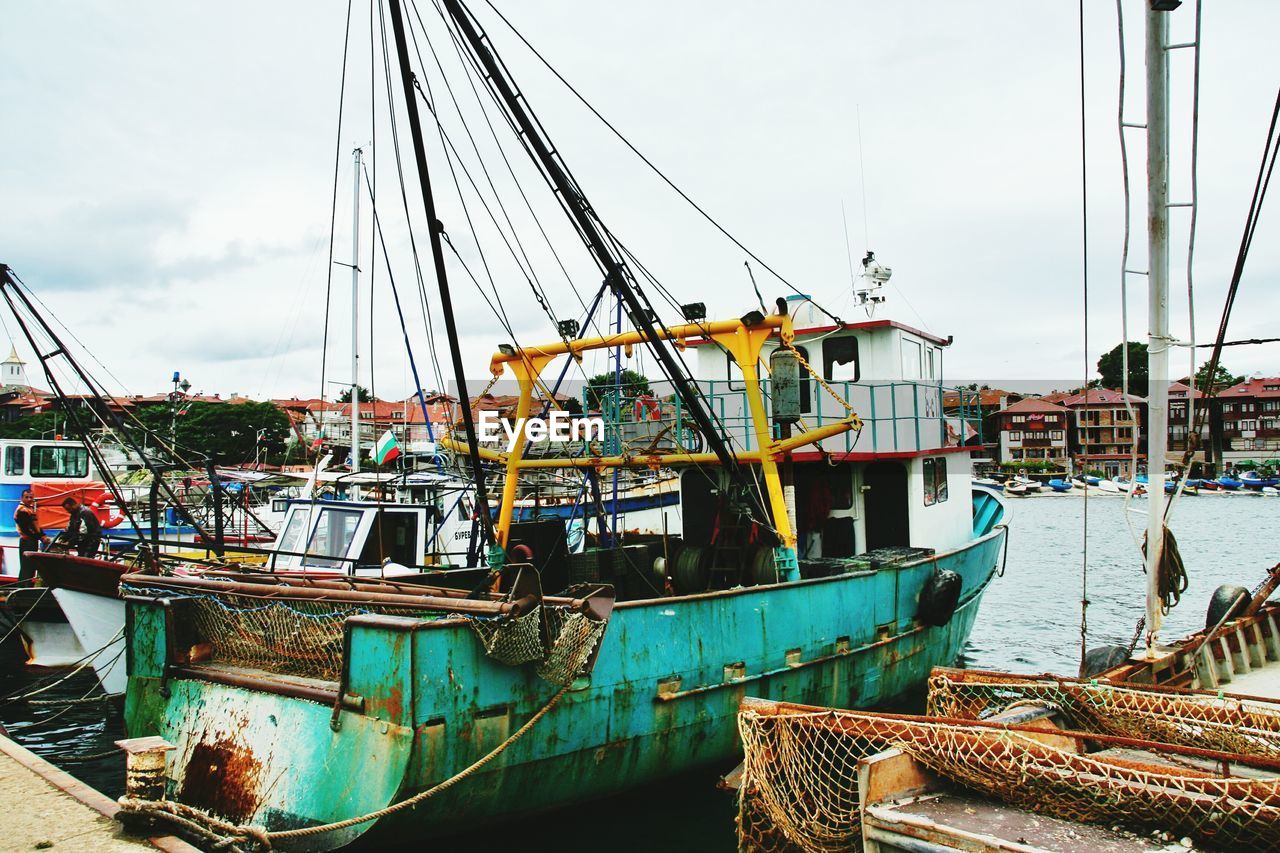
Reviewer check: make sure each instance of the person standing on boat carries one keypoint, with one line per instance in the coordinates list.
(84, 530)
(30, 536)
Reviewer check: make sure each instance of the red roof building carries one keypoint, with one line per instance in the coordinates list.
(1033, 429)
(1106, 430)
(1251, 420)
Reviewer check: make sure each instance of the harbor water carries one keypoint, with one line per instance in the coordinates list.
(1029, 622)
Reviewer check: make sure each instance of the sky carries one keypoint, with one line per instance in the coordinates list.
(167, 179)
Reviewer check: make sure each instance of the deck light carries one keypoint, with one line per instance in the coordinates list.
(752, 318)
(568, 328)
(694, 311)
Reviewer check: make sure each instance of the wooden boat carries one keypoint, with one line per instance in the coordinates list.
(1007, 762)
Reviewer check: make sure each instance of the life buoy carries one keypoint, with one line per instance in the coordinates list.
(939, 598)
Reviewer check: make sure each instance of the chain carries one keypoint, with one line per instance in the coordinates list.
(791, 347)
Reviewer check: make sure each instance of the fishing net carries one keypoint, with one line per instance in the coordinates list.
(1188, 718)
(800, 783)
(287, 636)
(302, 637)
(511, 640)
(574, 637)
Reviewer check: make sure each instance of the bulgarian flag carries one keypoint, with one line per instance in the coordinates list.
(387, 448)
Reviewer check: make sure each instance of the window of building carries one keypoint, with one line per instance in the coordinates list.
(14, 462)
(1019, 419)
(1055, 435)
(1271, 387)
(1015, 436)
(1267, 423)
(1271, 406)
(59, 461)
(1228, 407)
(935, 480)
(1248, 425)
(840, 359)
(1016, 453)
(931, 362)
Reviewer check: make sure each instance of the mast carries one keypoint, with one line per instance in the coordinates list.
(1158, 339)
(355, 318)
(496, 553)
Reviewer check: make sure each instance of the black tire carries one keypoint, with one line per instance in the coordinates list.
(1103, 658)
(1228, 597)
(689, 572)
(939, 598)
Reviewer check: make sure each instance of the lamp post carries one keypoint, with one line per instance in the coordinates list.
(176, 397)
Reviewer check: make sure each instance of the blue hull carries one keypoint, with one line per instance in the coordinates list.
(661, 700)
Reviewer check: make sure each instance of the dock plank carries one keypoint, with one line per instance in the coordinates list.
(53, 810)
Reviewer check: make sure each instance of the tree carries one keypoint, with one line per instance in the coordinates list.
(365, 396)
(1222, 378)
(1111, 368)
(633, 384)
(43, 425)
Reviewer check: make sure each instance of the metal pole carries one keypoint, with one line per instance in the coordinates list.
(1157, 305)
(355, 319)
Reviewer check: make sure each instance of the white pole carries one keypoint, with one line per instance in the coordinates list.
(355, 320)
(1157, 304)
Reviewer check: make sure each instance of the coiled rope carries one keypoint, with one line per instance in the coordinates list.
(205, 824)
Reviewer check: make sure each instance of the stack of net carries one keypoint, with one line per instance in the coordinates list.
(1187, 718)
(800, 784)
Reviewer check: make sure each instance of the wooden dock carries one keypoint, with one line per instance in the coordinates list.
(49, 809)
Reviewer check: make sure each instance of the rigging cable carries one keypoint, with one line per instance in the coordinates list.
(472, 71)
(333, 209)
(705, 215)
(1084, 255)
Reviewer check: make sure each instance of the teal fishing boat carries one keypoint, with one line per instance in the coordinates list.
(827, 547)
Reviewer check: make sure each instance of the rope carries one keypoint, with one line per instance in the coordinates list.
(179, 813)
(33, 606)
(1084, 252)
(93, 756)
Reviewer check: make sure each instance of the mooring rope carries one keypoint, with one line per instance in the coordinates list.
(189, 816)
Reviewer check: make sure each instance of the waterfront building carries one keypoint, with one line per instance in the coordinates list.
(1034, 430)
(1106, 431)
(1251, 421)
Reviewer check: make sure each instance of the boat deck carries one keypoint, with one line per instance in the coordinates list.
(56, 810)
(989, 825)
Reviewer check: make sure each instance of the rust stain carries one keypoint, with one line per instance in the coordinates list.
(222, 777)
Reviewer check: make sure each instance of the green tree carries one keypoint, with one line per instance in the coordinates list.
(1222, 378)
(365, 396)
(43, 425)
(1111, 368)
(633, 384)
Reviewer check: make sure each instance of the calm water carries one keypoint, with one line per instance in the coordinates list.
(1029, 622)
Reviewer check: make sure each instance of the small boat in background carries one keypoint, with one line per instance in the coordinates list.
(1061, 485)
(1108, 486)
(1231, 484)
(1253, 480)
(989, 483)
(1015, 488)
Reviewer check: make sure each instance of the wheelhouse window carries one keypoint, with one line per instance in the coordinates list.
(840, 359)
(806, 389)
(935, 480)
(910, 359)
(14, 463)
(327, 533)
(59, 461)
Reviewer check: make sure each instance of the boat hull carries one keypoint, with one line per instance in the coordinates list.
(661, 700)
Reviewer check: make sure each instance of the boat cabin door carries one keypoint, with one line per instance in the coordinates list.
(885, 504)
